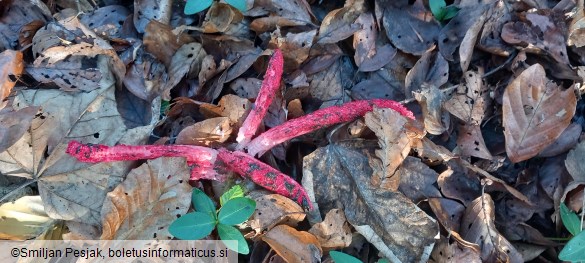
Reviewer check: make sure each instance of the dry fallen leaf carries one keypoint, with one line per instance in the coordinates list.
(575, 162)
(334, 232)
(160, 41)
(147, 201)
(14, 124)
(338, 25)
(341, 175)
(70, 190)
(24, 219)
(395, 137)
(447, 251)
(293, 245)
(431, 100)
(430, 69)
(535, 113)
(11, 66)
(206, 133)
(273, 210)
(411, 28)
(477, 226)
(220, 17)
(417, 180)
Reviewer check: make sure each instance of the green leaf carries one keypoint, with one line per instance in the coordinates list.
(570, 220)
(236, 211)
(574, 250)
(192, 226)
(231, 233)
(238, 4)
(203, 203)
(340, 257)
(235, 191)
(437, 8)
(383, 260)
(450, 12)
(196, 6)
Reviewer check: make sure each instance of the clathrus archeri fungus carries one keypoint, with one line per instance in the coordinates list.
(203, 161)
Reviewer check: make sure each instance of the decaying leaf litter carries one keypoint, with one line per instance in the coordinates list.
(496, 146)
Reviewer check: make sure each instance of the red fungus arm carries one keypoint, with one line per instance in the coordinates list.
(265, 176)
(320, 119)
(201, 160)
(269, 87)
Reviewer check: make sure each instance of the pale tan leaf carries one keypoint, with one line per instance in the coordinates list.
(293, 245)
(220, 17)
(535, 113)
(11, 66)
(231, 106)
(206, 133)
(273, 210)
(295, 47)
(478, 226)
(148, 201)
(395, 136)
(24, 219)
(431, 100)
(334, 232)
(471, 99)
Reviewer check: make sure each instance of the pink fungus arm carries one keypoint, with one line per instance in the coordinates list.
(265, 176)
(269, 87)
(201, 160)
(320, 119)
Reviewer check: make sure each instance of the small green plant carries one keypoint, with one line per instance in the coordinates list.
(441, 11)
(196, 6)
(235, 209)
(574, 250)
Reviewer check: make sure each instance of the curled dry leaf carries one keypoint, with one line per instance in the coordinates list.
(265, 24)
(395, 136)
(220, 17)
(24, 219)
(206, 133)
(334, 232)
(343, 176)
(542, 31)
(160, 41)
(535, 113)
(146, 77)
(295, 47)
(20, 13)
(431, 100)
(11, 66)
(273, 210)
(469, 40)
(294, 246)
(477, 226)
(452, 34)
(147, 201)
(296, 10)
(231, 106)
